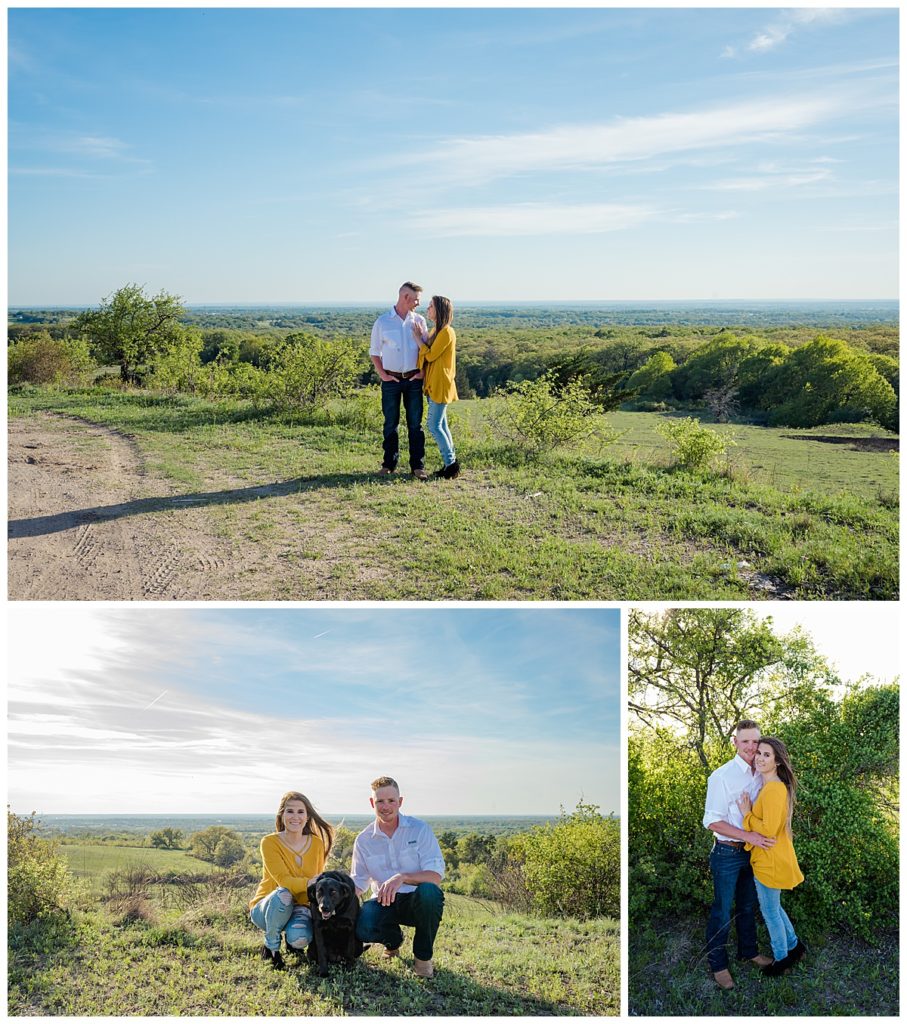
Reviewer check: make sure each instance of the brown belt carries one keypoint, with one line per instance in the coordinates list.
(409, 374)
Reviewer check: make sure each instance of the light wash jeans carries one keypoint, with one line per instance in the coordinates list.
(780, 930)
(438, 427)
(277, 912)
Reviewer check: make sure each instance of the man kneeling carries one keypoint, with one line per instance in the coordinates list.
(398, 857)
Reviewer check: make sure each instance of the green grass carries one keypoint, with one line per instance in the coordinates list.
(86, 860)
(668, 976)
(793, 518)
(205, 962)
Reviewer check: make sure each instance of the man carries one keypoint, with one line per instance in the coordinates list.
(399, 858)
(395, 354)
(729, 861)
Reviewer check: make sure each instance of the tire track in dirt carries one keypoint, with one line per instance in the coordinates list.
(69, 538)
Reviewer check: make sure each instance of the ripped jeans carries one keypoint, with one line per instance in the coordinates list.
(276, 913)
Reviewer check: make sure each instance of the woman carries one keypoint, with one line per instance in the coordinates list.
(776, 868)
(438, 360)
(291, 856)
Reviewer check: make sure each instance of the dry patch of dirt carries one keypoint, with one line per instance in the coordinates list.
(857, 444)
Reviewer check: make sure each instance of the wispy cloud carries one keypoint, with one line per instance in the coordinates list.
(588, 146)
(790, 21)
(771, 179)
(532, 219)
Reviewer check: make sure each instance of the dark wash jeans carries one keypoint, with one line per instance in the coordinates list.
(409, 392)
(732, 878)
(421, 909)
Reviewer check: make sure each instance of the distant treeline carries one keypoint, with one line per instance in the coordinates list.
(776, 364)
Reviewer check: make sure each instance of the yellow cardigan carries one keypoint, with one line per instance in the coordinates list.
(776, 868)
(280, 870)
(440, 362)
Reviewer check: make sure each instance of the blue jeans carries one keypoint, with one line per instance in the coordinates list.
(277, 912)
(439, 429)
(780, 930)
(732, 878)
(422, 909)
(409, 392)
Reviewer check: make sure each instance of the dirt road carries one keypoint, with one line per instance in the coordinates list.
(87, 522)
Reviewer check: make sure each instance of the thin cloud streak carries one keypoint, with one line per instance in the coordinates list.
(532, 219)
(587, 146)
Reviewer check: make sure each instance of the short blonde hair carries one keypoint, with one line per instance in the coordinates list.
(382, 781)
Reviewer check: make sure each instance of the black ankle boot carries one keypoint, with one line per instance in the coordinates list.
(452, 471)
(273, 957)
(777, 967)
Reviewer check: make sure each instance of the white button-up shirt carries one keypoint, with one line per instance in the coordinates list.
(377, 857)
(393, 341)
(725, 786)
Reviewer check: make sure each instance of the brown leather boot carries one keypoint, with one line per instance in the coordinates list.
(423, 968)
(760, 961)
(723, 979)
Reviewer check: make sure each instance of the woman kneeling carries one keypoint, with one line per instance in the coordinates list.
(291, 856)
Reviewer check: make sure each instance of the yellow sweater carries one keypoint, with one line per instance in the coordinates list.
(440, 362)
(776, 868)
(280, 870)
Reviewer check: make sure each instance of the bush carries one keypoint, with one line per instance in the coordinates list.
(572, 868)
(39, 884)
(42, 359)
(305, 371)
(228, 851)
(540, 416)
(694, 446)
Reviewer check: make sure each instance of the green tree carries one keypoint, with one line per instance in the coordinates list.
(713, 364)
(827, 381)
(693, 672)
(133, 329)
(203, 844)
(652, 380)
(167, 838)
(229, 850)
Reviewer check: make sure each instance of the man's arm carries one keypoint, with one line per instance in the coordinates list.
(379, 368)
(387, 891)
(741, 835)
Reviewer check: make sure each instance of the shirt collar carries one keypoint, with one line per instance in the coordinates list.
(738, 760)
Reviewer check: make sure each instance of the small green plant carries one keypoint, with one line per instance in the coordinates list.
(694, 446)
(539, 416)
(305, 371)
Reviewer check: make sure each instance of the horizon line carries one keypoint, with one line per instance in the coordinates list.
(335, 303)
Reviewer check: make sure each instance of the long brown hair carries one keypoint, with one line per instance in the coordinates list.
(786, 774)
(314, 825)
(443, 315)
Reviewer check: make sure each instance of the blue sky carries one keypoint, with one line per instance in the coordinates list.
(473, 710)
(323, 156)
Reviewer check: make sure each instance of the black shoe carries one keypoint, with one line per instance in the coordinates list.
(452, 471)
(777, 967)
(273, 957)
(798, 952)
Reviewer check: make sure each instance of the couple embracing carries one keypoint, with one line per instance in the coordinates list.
(411, 360)
(396, 856)
(749, 805)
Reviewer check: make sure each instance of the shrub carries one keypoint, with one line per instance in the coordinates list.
(540, 416)
(42, 359)
(39, 884)
(572, 868)
(304, 371)
(694, 446)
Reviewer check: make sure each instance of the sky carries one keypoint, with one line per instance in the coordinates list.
(217, 711)
(498, 155)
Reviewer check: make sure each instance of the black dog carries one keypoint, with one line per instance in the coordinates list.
(335, 910)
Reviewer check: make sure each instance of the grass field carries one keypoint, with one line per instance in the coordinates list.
(792, 516)
(204, 962)
(92, 862)
(668, 976)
